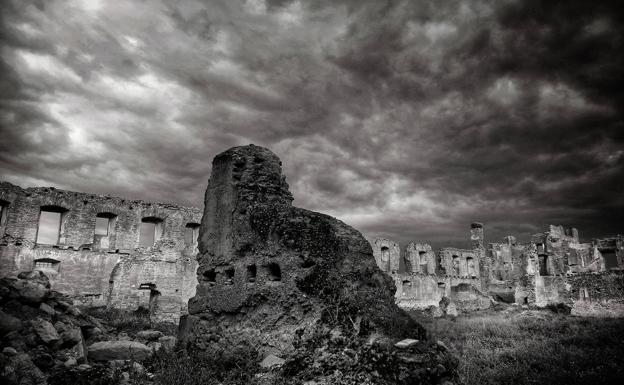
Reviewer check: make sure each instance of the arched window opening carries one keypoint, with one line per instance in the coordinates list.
(385, 254)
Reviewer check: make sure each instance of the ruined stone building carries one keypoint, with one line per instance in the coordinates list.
(102, 250)
(553, 268)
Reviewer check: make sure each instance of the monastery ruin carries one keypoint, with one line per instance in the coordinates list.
(130, 254)
(553, 268)
(102, 250)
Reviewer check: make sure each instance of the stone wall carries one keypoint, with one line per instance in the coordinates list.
(548, 270)
(105, 265)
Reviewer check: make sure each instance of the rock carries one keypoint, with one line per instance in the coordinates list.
(84, 367)
(47, 309)
(406, 343)
(149, 335)
(272, 361)
(71, 362)
(451, 310)
(70, 337)
(80, 352)
(30, 291)
(168, 342)
(123, 337)
(138, 368)
(442, 346)
(9, 351)
(60, 326)
(295, 258)
(8, 323)
(155, 346)
(21, 370)
(45, 330)
(118, 350)
(35, 276)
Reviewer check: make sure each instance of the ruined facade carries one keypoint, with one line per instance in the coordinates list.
(553, 268)
(102, 250)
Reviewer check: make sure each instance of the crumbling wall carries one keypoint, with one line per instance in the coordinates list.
(97, 268)
(387, 255)
(270, 272)
(597, 294)
(421, 258)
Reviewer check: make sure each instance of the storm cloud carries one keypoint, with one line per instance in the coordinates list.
(406, 119)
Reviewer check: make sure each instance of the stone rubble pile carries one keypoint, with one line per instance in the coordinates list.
(43, 336)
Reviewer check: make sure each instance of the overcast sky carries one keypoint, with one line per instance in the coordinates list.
(406, 119)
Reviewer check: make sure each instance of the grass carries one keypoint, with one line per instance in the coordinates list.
(533, 347)
(130, 321)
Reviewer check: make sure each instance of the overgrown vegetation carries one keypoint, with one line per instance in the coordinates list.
(534, 347)
(237, 365)
(130, 321)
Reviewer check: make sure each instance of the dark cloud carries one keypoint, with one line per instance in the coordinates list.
(405, 119)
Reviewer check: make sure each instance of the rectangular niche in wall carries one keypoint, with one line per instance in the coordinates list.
(151, 231)
(51, 223)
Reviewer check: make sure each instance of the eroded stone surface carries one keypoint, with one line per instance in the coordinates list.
(269, 271)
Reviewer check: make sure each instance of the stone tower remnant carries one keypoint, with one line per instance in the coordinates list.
(269, 272)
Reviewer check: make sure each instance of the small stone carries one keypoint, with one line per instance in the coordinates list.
(9, 351)
(45, 330)
(138, 368)
(71, 362)
(44, 307)
(442, 345)
(406, 343)
(83, 367)
(168, 342)
(149, 335)
(272, 361)
(155, 346)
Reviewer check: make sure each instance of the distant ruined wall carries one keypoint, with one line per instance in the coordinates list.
(553, 268)
(90, 247)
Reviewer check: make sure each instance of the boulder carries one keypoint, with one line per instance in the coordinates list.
(45, 330)
(30, 291)
(35, 276)
(44, 307)
(71, 337)
(21, 370)
(118, 350)
(8, 323)
(149, 335)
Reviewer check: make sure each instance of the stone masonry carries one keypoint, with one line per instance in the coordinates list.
(102, 250)
(553, 268)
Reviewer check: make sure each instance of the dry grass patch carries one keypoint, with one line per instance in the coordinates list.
(534, 347)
